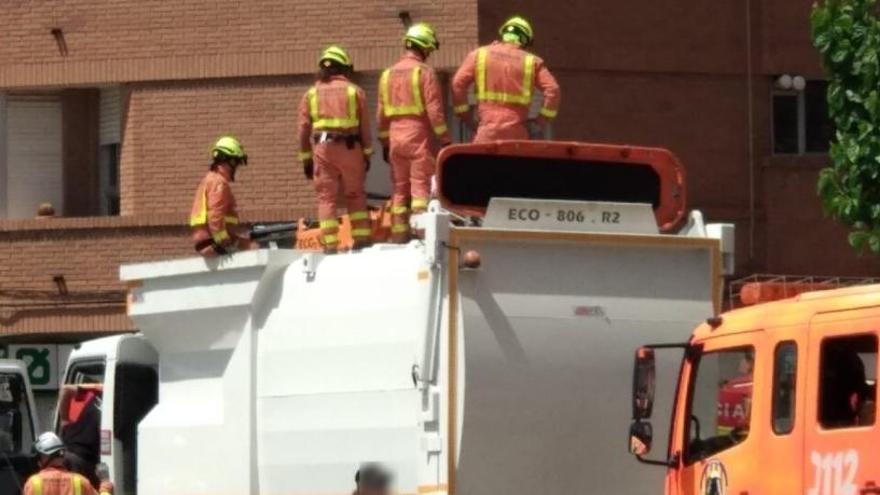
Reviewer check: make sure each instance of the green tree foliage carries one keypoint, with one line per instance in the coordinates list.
(847, 35)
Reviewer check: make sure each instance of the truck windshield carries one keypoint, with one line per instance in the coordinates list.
(15, 424)
(720, 402)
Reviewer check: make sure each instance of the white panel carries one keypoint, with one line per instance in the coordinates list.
(34, 169)
(110, 116)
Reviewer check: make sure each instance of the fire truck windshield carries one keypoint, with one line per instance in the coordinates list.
(719, 403)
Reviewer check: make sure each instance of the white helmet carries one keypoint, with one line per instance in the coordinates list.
(49, 444)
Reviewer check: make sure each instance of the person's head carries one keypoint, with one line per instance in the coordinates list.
(517, 30)
(372, 479)
(228, 152)
(50, 449)
(747, 363)
(421, 38)
(334, 61)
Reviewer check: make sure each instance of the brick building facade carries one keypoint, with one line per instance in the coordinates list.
(137, 91)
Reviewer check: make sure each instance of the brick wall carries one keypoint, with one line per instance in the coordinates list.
(87, 253)
(170, 126)
(126, 40)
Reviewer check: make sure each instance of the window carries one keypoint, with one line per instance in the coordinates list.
(848, 381)
(800, 120)
(108, 161)
(16, 431)
(720, 402)
(784, 384)
(84, 373)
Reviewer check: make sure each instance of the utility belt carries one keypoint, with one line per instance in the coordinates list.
(337, 137)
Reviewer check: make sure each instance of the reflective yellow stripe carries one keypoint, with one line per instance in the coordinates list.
(37, 484)
(361, 232)
(104, 492)
(550, 114)
(368, 151)
(331, 239)
(329, 224)
(440, 129)
(416, 108)
(77, 485)
(334, 123)
(358, 215)
(384, 134)
(220, 236)
(462, 108)
(202, 217)
(483, 94)
(419, 203)
(305, 155)
(398, 210)
(399, 228)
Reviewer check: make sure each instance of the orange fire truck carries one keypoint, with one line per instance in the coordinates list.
(778, 398)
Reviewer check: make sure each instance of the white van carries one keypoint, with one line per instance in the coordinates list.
(18, 426)
(126, 368)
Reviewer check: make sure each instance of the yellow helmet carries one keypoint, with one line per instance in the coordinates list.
(230, 147)
(520, 28)
(334, 54)
(421, 35)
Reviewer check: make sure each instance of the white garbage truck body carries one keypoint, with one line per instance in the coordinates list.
(480, 360)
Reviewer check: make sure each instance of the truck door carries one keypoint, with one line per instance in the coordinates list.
(719, 443)
(841, 455)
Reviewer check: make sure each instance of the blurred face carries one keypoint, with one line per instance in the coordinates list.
(745, 365)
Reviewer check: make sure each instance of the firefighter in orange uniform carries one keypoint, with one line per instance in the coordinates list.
(334, 136)
(214, 219)
(505, 76)
(410, 118)
(54, 478)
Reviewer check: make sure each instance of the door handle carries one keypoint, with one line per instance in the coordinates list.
(870, 488)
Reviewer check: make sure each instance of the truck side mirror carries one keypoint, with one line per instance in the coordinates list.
(644, 378)
(641, 435)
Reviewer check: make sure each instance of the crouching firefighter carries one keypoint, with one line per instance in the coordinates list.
(54, 478)
(334, 136)
(214, 219)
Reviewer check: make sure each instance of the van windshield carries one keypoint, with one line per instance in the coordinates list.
(720, 402)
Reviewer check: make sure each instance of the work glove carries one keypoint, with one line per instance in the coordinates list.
(367, 163)
(309, 169)
(386, 154)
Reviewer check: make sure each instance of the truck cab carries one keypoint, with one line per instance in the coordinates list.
(120, 374)
(18, 426)
(780, 397)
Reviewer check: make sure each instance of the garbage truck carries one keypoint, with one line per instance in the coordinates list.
(489, 355)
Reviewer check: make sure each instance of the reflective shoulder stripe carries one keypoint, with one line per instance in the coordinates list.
(481, 74)
(351, 120)
(417, 107)
(37, 484)
(313, 103)
(77, 484)
(202, 217)
(485, 94)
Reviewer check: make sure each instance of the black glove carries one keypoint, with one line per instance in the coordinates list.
(386, 153)
(309, 169)
(367, 163)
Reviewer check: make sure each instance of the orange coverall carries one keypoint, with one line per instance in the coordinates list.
(55, 480)
(410, 116)
(505, 77)
(213, 218)
(332, 114)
